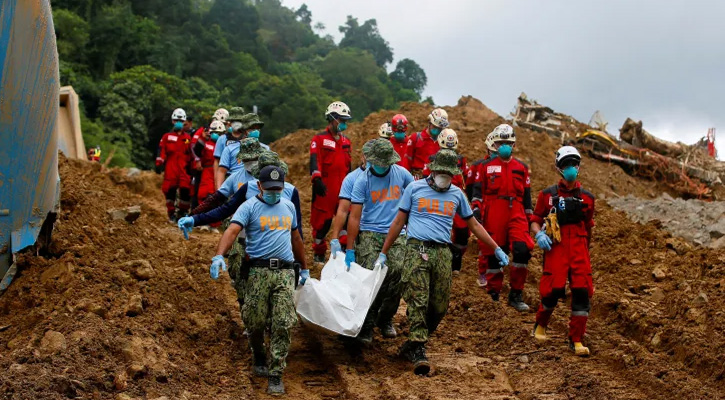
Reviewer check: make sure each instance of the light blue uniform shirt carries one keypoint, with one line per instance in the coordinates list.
(269, 228)
(348, 183)
(234, 182)
(220, 144)
(229, 157)
(379, 196)
(430, 213)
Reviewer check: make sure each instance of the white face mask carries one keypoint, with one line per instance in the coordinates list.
(443, 181)
(248, 165)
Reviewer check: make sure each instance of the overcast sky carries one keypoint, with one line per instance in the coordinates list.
(662, 62)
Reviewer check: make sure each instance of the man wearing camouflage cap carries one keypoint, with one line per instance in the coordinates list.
(427, 207)
(375, 197)
(208, 213)
(236, 113)
(231, 160)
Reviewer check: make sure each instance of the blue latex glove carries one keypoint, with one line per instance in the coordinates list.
(304, 276)
(349, 258)
(217, 263)
(503, 259)
(543, 240)
(335, 247)
(382, 259)
(186, 224)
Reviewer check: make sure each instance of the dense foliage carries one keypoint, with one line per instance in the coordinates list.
(133, 61)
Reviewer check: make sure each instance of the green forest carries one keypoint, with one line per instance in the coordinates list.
(133, 61)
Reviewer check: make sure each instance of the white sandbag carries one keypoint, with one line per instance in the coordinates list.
(339, 301)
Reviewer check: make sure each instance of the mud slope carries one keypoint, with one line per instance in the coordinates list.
(128, 311)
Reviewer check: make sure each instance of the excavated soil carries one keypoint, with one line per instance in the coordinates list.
(128, 311)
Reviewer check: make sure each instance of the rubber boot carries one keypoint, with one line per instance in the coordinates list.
(579, 349)
(457, 259)
(421, 365)
(540, 333)
(366, 335)
(388, 331)
(275, 386)
(494, 295)
(516, 300)
(259, 367)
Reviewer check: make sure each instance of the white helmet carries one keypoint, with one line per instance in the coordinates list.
(385, 131)
(439, 118)
(217, 126)
(503, 133)
(337, 110)
(567, 153)
(448, 139)
(221, 115)
(490, 145)
(178, 114)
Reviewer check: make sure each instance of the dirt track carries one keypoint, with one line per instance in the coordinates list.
(650, 338)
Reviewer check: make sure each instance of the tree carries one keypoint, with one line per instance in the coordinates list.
(72, 34)
(366, 37)
(304, 15)
(410, 75)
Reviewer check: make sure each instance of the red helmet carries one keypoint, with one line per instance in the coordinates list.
(399, 123)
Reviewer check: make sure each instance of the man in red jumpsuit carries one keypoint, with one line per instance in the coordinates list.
(502, 196)
(399, 127)
(330, 162)
(424, 144)
(175, 156)
(566, 259)
(204, 154)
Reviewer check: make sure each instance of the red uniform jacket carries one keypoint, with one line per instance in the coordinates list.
(175, 153)
(579, 220)
(331, 160)
(421, 146)
(498, 179)
(400, 146)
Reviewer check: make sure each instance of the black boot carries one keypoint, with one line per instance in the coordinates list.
(421, 366)
(494, 295)
(457, 259)
(516, 300)
(387, 330)
(275, 386)
(366, 335)
(260, 364)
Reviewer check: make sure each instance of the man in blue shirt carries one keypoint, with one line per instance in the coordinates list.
(428, 206)
(340, 222)
(374, 206)
(233, 135)
(273, 246)
(231, 160)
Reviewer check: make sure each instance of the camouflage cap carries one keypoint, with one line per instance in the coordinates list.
(381, 153)
(445, 161)
(235, 114)
(268, 158)
(367, 147)
(249, 149)
(250, 120)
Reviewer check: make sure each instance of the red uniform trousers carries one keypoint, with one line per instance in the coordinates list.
(506, 222)
(568, 260)
(175, 154)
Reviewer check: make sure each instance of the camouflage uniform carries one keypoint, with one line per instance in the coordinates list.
(269, 303)
(427, 288)
(387, 301)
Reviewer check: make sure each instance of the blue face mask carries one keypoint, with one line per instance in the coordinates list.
(178, 125)
(254, 134)
(505, 151)
(570, 173)
(214, 137)
(435, 131)
(494, 155)
(272, 196)
(229, 129)
(341, 126)
(380, 170)
(399, 135)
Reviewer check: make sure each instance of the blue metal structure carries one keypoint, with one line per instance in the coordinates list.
(29, 83)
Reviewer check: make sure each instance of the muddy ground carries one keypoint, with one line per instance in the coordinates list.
(128, 311)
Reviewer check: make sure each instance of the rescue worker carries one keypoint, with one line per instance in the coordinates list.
(375, 198)
(339, 225)
(94, 154)
(422, 145)
(448, 139)
(229, 162)
(567, 211)
(473, 175)
(274, 246)
(502, 196)
(204, 151)
(226, 117)
(175, 156)
(385, 131)
(428, 206)
(225, 210)
(399, 127)
(330, 162)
